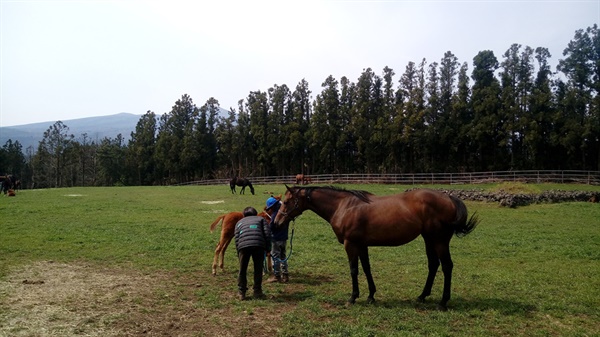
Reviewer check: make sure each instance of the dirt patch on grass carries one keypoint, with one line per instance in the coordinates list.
(57, 299)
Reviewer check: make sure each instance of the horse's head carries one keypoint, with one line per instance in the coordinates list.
(251, 187)
(295, 203)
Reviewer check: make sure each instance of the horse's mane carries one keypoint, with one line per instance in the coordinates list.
(360, 194)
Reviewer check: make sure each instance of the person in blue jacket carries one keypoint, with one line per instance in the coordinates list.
(279, 237)
(252, 237)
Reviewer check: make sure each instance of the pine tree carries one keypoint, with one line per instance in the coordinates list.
(487, 126)
(141, 149)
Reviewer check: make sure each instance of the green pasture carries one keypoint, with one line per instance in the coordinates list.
(529, 271)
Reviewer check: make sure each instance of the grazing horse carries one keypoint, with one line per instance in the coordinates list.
(360, 219)
(227, 233)
(243, 182)
(302, 179)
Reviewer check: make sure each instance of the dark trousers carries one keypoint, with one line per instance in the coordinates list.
(258, 255)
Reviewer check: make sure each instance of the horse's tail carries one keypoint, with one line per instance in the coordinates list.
(461, 225)
(216, 223)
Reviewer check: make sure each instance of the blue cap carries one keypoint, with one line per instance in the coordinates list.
(270, 202)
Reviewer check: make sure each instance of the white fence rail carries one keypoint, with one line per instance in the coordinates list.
(554, 176)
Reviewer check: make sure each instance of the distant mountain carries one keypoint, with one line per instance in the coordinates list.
(96, 128)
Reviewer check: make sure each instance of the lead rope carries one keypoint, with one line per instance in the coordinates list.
(291, 245)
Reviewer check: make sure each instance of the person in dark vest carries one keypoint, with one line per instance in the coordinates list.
(252, 237)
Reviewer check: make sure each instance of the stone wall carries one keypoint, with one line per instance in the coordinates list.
(507, 199)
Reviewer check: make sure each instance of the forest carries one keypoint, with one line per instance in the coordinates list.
(512, 113)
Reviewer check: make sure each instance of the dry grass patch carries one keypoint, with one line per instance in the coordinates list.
(57, 299)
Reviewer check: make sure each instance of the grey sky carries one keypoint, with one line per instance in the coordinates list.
(62, 60)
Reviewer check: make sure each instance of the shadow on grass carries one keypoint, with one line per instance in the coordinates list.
(306, 286)
(301, 287)
(309, 279)
(502, 306)
(294, 296)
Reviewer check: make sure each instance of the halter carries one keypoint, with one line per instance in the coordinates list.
(295, 207)
(293, 229)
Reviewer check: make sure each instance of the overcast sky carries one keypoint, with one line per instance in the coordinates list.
(63, 60)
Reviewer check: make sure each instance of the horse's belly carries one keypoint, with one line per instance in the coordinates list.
(391, 237)
(377, 234)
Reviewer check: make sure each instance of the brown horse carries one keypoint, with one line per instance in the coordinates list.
(303, 179)
(360, 219)
(227, 232)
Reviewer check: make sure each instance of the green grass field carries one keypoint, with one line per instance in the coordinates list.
(129, 261)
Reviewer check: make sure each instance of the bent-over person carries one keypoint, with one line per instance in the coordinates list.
(252, 237)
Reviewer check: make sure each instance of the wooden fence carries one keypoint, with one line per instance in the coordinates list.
(553, 176)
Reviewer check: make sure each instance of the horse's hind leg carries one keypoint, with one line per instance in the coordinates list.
(223, 249)
(447, 266)
(216, 258)
(366, 265)
(433, 263)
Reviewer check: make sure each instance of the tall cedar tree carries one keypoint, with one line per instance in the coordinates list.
(520, 117)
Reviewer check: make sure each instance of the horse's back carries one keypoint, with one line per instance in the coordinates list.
(400, 218)
(430, 204)
(232, 218)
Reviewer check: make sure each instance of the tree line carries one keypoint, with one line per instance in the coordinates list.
(509, 114)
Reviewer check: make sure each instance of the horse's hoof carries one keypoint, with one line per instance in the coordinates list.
(370, 300)
(442, 307)
(421, 299)
(351, 301)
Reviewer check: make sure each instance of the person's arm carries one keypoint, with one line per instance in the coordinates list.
(267, 231)
(237, 236)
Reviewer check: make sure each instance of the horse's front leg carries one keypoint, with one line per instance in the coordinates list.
(366, 265)
(269, 263)
(352, 252)
(223, 249)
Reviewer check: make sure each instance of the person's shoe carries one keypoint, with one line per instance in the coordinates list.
(242, 296)
(274, 278)
(259, 296)
(285, 278)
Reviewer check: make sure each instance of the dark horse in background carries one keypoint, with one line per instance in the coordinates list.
(243, 182)
(9, 182)
(360, 219)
